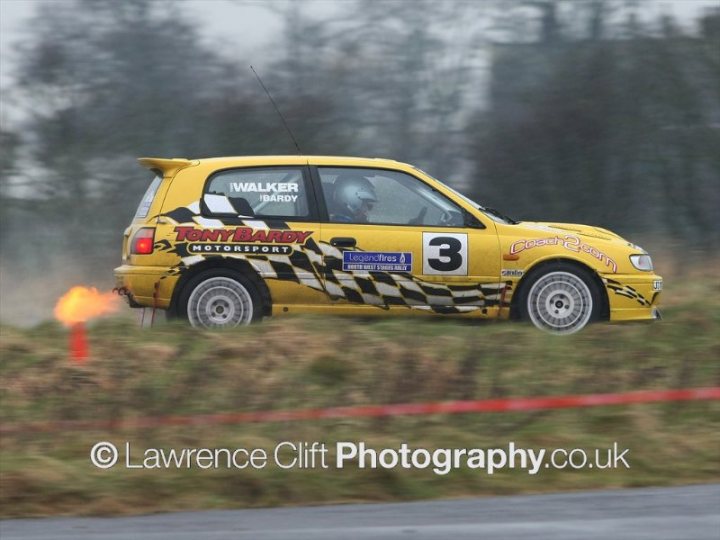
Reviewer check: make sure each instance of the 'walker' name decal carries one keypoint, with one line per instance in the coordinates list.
(241, 234)
(269, 191)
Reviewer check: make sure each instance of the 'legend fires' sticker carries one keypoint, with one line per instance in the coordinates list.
(372, 261)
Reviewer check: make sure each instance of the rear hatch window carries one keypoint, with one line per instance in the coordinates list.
(148, 198)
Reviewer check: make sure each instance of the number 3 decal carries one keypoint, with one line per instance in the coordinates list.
(445, 254)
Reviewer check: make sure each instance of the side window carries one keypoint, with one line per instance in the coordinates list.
(148, 198)
(270, 192)
(385, 197)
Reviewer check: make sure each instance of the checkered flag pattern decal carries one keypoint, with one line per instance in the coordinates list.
(626, 290)
(319, 266)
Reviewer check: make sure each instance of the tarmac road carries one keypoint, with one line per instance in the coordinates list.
(683, 513)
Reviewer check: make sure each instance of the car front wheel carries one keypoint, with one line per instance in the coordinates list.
(562, 299)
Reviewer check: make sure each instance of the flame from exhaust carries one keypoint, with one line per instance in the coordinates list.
(80, 304)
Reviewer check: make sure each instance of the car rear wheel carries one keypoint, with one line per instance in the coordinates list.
(562, 299)
(216, 299)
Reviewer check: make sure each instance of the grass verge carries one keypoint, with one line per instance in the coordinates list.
(317, 362)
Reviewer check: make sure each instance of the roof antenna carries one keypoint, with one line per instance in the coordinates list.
(277, 111)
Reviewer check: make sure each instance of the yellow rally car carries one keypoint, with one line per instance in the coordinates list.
(226, 241)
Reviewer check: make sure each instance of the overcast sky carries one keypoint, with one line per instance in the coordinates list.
(246, 26)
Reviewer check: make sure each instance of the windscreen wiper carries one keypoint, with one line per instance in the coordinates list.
(499, 214)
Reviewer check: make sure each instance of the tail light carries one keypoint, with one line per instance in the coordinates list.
(142, 243)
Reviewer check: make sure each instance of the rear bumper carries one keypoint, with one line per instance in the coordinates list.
(145, 286)
(633, 297)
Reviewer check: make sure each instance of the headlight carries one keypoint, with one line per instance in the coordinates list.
(642, 262)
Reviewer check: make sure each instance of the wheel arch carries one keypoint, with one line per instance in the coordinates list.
(231, 265)
(539, 266)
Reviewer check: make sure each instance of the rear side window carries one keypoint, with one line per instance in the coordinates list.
(148, 198)
(271, 192)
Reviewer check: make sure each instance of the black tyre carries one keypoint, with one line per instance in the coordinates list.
(560, 298)
(220, 299)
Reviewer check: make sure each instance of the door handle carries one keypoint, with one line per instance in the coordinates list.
(343, 241)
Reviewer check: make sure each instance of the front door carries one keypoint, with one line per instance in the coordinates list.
(392, 240)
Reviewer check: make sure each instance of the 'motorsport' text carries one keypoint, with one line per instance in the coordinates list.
(261, 249)
(241, 234)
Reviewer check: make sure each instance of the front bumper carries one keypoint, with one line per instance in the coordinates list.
(145, 286)
(633, 297)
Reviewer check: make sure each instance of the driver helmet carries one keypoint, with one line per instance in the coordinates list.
(354, 191)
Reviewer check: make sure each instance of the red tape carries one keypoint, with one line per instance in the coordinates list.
(375, 411)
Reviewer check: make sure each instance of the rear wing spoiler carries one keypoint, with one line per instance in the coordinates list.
(167, 166)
